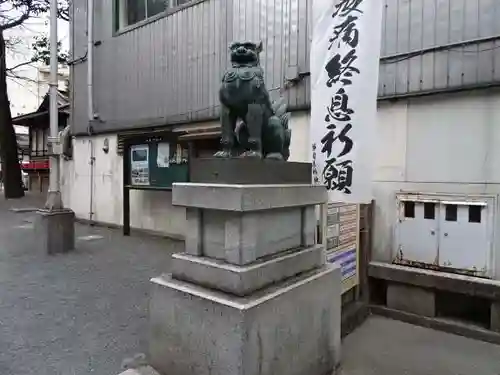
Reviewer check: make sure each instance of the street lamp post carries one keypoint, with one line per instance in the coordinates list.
(54, 200)
(54, 227)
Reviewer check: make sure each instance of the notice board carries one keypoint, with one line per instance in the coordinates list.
(342, 241)
(158, 164)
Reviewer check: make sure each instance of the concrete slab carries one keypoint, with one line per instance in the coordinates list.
(245, 198)
(242, 280)
(292, 328)
(411, 299)
(248, 171)
(495, 316)
(384, 347)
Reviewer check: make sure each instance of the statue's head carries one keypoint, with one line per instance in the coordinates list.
(245, 52)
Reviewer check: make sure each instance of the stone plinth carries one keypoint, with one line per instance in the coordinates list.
(243, 280)
(292, 328)
(240, 224)
(55, 230)
(246, 171)
(252, 294)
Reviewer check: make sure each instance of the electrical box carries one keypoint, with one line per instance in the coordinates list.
(447, 232)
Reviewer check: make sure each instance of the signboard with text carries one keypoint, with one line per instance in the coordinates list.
(342, 241)
(139, 169)
(345, 52)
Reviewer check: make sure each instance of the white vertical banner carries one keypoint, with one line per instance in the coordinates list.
(345, 55)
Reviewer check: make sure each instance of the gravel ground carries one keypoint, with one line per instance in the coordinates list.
(85, 312)
(79, 313)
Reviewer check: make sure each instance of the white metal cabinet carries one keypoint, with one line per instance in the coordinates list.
(464, 241)
(448, 231)
(418, 232)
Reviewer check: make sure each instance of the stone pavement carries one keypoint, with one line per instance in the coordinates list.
(73, 314)
(388, 347)
(85, 312)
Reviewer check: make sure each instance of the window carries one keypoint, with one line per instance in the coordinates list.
(475, 214)
(429, 211)
(451, 212)
(409, 208)
(130, 12)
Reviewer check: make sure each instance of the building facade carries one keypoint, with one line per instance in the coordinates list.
(156, 66)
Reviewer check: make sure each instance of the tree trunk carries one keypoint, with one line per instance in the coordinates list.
(11, 169)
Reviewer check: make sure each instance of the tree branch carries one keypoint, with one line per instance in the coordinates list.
(17, 22)
(12, 75)
(19, 65)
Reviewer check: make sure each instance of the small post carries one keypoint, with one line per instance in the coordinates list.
(54, 226)
(126, 189)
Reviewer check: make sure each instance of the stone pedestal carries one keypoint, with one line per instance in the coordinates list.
(411, 299)
(252, 294)
(495, 316)
(55, 230)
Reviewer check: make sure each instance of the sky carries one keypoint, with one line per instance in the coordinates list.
(24, 94)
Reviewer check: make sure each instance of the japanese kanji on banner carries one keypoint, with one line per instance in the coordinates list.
(345, 55)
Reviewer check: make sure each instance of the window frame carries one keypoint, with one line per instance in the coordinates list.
(117, 30)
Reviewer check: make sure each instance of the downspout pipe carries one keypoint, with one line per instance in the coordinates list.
(90, 62)
(90, 98)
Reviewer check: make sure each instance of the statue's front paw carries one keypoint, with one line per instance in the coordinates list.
(252, 154)
(274, 156)
(222, 154)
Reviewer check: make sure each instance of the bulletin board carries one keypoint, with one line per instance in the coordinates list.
(152, 163)
(341, 236)
(157, 164)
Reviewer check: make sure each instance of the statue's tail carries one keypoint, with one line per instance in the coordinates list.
(280, 110)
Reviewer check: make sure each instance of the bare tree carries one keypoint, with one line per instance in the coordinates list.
(13, 14)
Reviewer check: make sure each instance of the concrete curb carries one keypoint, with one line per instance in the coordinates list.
(145, 370)
(23, 209)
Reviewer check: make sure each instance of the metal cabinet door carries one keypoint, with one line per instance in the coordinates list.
(418, 232)
(463, 237)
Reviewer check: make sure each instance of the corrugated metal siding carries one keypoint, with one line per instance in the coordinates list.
(419, 35)
(169, 70)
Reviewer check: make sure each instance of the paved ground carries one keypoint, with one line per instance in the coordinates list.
(387, 347)
(80, 313)
(83, 313)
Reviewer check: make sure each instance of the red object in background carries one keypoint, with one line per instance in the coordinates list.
(35, 164)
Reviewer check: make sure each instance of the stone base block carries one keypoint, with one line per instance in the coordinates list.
(411, 299)
(243, 280)
(495, 316)
(248, 171)
(292, 328)
(55, 231)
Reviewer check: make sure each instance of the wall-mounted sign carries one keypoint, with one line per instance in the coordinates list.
(345, 53)
(163, 156)
(342, 241)
(139, 169)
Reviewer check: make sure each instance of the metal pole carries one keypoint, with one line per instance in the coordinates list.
(54, 201)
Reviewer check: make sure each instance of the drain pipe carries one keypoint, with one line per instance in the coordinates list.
(92, 171)
(90, 98)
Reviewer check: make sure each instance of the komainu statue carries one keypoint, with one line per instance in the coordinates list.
(252, 125)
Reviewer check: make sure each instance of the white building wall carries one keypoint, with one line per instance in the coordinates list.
(438, 144)
(148, 210)
(445, 144)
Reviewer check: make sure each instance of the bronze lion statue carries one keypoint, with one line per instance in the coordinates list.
(251, 124)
